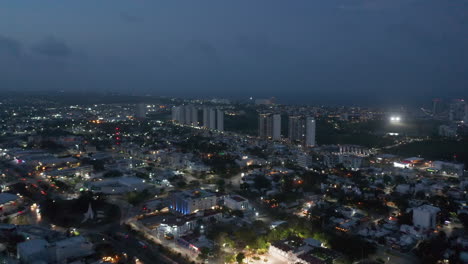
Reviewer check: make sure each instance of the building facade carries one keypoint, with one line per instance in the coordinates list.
(269, 126)
(302, 130)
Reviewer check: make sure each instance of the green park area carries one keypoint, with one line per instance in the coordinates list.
(71, 213)
(437, 149)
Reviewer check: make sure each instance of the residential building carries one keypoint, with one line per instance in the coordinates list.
(69, 249)
(304, 160)
(458, 110)
(269, 126)
(31, 251)
(301, 130)
(425, 216)
(185, 114)
(236, 202)
(213, 119)
(220, 120)
(191, 201)
(449, 168)
(140, 111)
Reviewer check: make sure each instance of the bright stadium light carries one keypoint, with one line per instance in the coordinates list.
(395, 119)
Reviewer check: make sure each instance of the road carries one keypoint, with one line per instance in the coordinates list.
(394, 257)
(131, 246)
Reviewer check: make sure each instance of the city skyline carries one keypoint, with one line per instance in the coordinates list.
(234, 132)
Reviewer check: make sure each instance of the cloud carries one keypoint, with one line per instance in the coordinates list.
(9, 46)
(373, 5)
(130, 18)
(201, 51)
(52, 47)
(257, 45)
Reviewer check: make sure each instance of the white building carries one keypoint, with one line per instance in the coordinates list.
(310, 132)
(282, 251)
(31, 251)
(236, 202)
(425, 216)
(178, 114)
(69, 249)
(213, 119)
(188, 202)
(220, 120)
(63, 251)
(185, 114)
(352, 162)
(140, 112)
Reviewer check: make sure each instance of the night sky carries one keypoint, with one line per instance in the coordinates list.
(305, 51)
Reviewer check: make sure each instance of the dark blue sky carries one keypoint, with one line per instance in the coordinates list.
(328, 51)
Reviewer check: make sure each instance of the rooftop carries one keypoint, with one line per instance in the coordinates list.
(7, 197)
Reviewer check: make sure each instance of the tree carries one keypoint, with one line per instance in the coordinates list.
(224, 240)
(238, 213)
(261, 182)
(354, 247)
(406, 219)
(230, 258)
(420, 195)
(432, 250)
(112, 174)
(400, 179)
(387, 179)
(135, 198)
(240, 257)
(464, 219)
(204, 251)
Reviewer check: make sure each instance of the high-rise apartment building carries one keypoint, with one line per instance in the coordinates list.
(185, 114)
(310, 132)
(301, 130)
(213, 119)
(269, 126)
(220, 120)
(140, 112)
(194, 118)
(458, 110)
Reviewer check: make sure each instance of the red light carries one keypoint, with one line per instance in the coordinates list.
(43, 193)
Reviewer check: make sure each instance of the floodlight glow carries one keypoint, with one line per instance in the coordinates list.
(395, 119)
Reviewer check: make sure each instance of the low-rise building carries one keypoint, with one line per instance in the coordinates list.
(191, 201)
(236, 202)
(425, 216)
